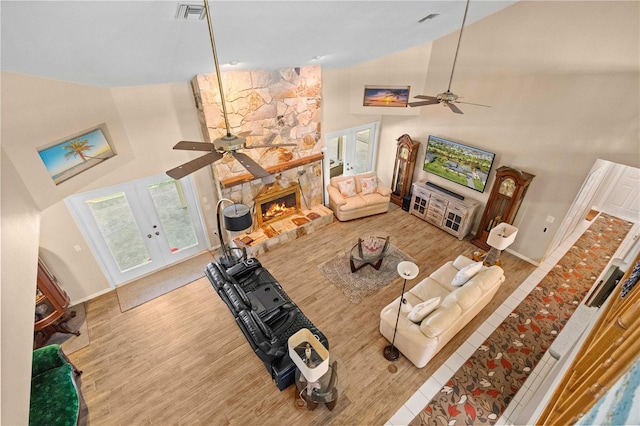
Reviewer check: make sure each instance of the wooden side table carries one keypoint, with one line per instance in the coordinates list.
(478, 256)
(51, 308)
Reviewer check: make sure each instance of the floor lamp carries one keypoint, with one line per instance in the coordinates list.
(408, 271)
(237, 217)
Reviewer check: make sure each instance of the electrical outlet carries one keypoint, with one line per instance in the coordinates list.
(77, 248)
(550, 219)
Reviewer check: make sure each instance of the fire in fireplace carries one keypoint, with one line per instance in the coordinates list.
(277, 203)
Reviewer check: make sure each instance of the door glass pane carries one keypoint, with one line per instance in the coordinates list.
(173, 212)
(336, 156)
(363, 138)
(119, 230)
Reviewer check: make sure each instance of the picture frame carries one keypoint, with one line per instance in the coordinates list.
(68, 157)
(386, 96)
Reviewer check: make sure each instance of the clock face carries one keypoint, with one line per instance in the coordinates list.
(507, 187)
(404, 153)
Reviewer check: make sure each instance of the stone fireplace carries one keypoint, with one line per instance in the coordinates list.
(275, 203)
(270, 107)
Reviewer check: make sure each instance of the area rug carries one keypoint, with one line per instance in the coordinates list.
(70, 342)
(366, 281)
(162, 282)
(480, 391)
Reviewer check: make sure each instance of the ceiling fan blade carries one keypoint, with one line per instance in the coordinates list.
(454, 108)
(423, 103)
(469, 103)
(252, 167)
(427, 97)
(194, 146)
(271, 145)
(193, 165)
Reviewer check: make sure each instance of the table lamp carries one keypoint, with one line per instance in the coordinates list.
(500, 237)
(310, 356)
(408, 271)
(237, 217)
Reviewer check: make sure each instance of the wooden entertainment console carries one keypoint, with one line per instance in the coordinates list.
(442, 208)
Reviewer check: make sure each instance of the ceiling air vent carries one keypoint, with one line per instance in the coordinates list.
(190, 11)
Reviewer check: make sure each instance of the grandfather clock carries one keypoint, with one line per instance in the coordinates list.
(504, 201)
(406, 154)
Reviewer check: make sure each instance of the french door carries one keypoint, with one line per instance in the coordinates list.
(351, 151)
(139, 227)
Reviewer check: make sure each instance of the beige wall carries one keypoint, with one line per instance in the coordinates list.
(20, 228)
(562, 95)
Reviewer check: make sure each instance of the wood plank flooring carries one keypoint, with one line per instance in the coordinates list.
(181, 358)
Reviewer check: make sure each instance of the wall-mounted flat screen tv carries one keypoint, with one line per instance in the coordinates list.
(458, 163)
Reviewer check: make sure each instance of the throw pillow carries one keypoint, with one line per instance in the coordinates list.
(421, 310)
(347, 187)
(466, 273)
(369, 185)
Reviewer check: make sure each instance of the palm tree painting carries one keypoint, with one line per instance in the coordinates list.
(77, 147)
(74, 155)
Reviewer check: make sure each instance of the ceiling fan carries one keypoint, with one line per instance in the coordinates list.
(447, 98)
(229, 144)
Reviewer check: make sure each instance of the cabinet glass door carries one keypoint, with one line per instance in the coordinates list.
(453, 221)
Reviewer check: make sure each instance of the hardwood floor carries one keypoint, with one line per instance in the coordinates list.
(181, 358)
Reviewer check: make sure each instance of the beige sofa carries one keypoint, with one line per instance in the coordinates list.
(420, 342)
(347, 206)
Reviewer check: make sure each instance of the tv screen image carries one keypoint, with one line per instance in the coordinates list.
(458, 163)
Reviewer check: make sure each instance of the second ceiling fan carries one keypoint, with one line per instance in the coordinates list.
(447, 98)
(229, 144)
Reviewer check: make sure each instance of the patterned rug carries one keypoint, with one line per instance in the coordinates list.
(366, 281)
(479, 392)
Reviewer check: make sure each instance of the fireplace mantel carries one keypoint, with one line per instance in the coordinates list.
(247, 177)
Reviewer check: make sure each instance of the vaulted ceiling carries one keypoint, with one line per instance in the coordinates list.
(126, 43)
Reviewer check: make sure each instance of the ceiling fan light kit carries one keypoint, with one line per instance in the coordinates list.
(448, 98)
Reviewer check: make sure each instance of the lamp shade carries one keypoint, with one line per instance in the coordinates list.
(408, 270)
(237, 217)
(502, 236)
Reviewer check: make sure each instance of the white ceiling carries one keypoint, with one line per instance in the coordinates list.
(125, 43)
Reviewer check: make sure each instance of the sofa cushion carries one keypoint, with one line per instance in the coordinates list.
(353, 203)
(369, 185)
(465, 296)
(421, 310)
(462, 261)
(440, 320)
(428, 288)
(360, 176)
(374, 199)
(486, 279)
(347, 188)
(465, 274)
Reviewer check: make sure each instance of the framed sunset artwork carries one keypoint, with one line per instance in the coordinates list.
(386, 96)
